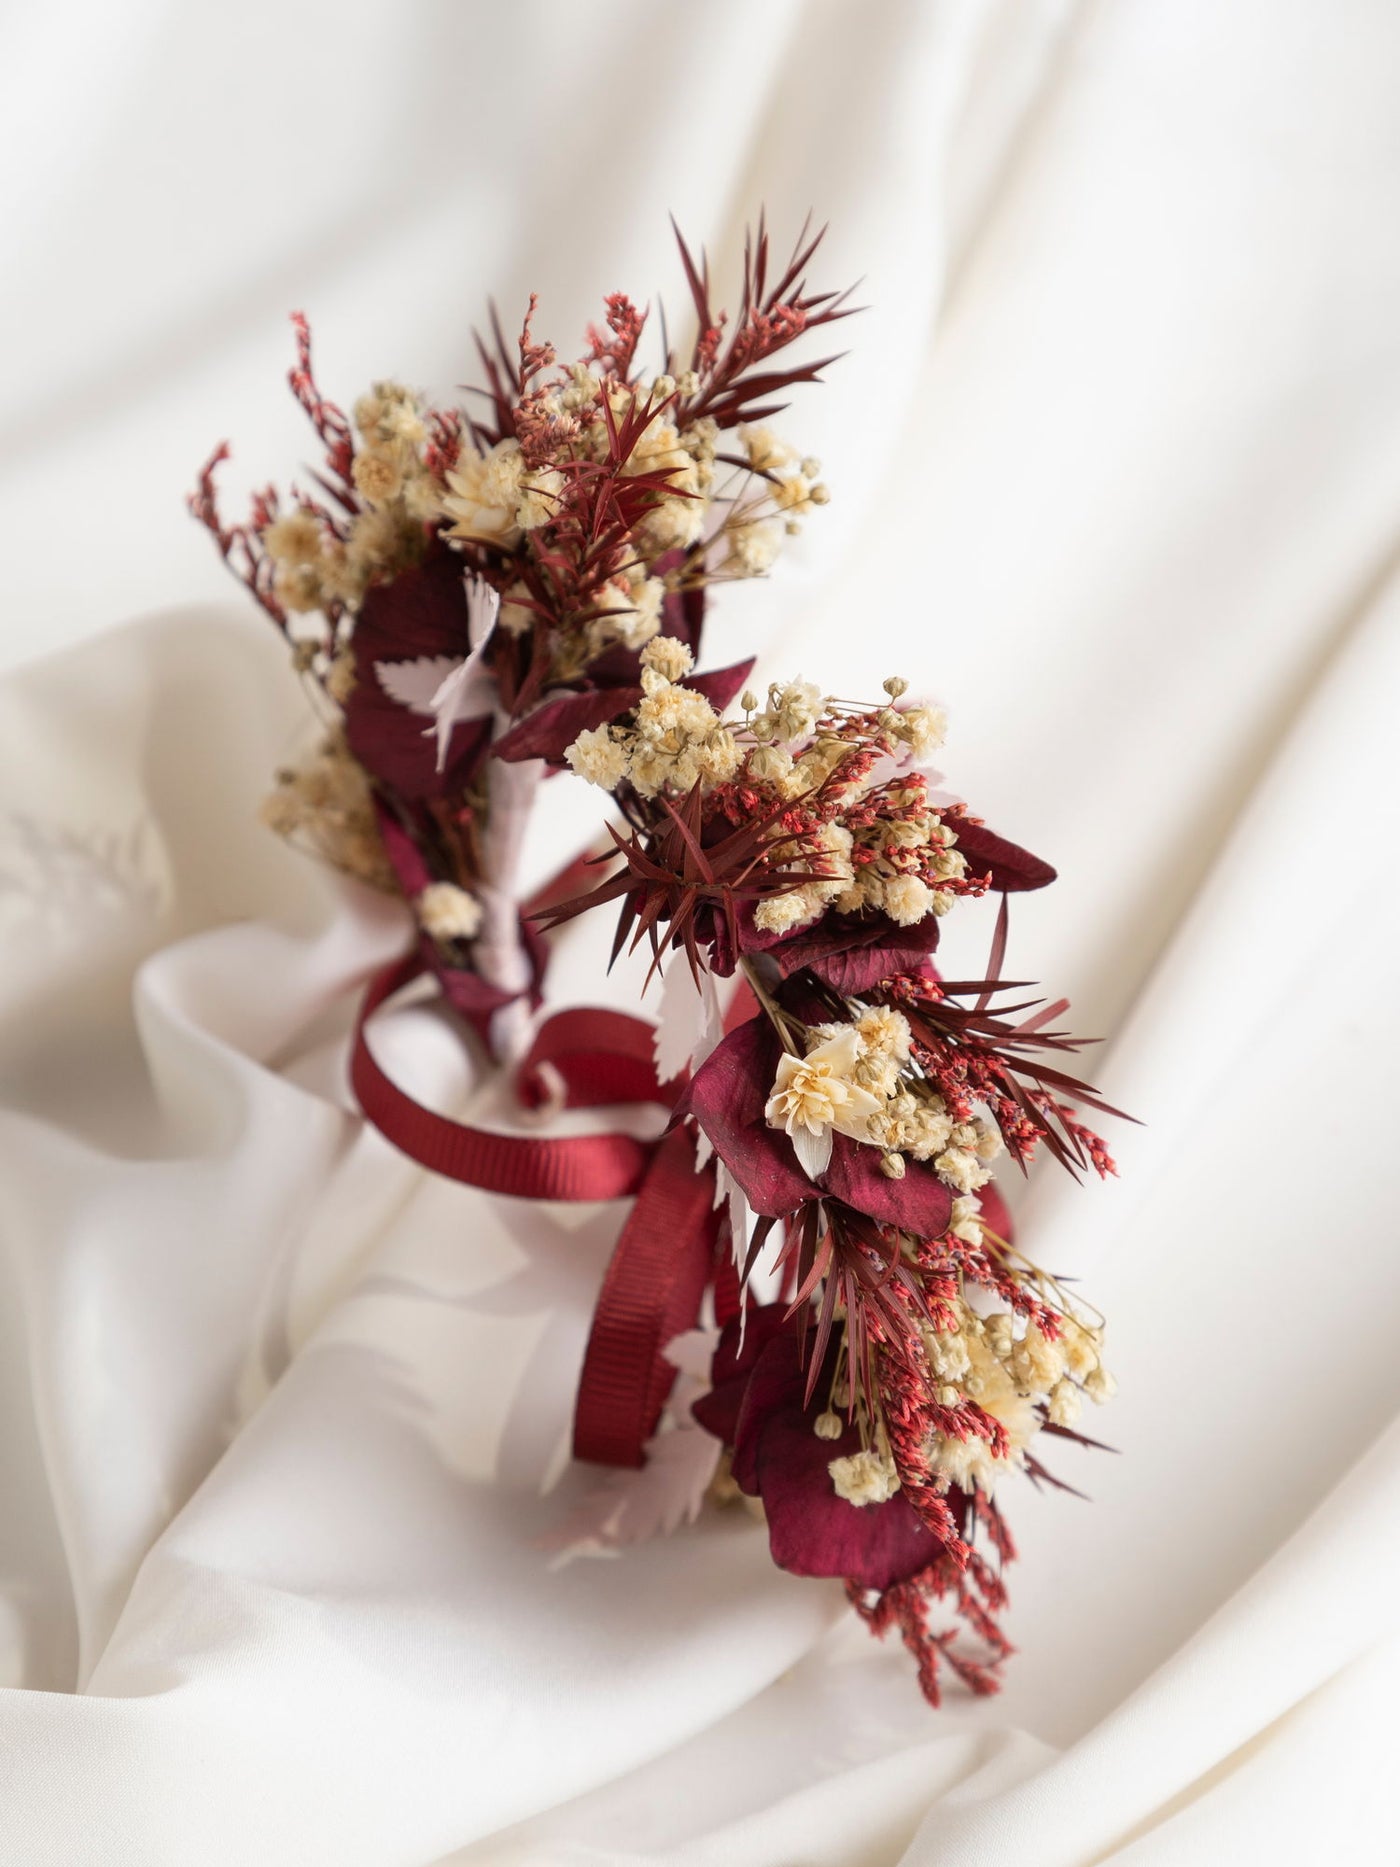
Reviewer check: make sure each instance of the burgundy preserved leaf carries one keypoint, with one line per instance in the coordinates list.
(550, 730)
(727, 1096)
(778, 1457)
(919, 1203)
(1013, 870)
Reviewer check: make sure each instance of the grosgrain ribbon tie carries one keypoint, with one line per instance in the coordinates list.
(665, 1256)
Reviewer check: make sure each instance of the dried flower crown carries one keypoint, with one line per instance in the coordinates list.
(816, 1303)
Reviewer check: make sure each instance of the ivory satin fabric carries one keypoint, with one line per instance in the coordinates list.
(1115, 465)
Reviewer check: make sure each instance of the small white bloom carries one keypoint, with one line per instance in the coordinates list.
(598, 757)
(864, 1478)
(671, 659)
(813, 1097)
(906, 899)
(447, 912)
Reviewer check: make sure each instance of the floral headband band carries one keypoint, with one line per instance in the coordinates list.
(816, 1305)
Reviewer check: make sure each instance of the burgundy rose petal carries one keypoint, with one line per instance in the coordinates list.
(776, 1383)
(853, 952)
(727, 1096)
(1013, 870)
(812, 1531)
(718, 1411)
(919, 1203)
(860, 969)
(778, 1457)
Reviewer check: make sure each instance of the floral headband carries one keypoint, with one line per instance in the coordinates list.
(816, 1305)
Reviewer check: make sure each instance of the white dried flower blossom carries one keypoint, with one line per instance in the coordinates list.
(633, 615)
(1065, 1404)
(514, 615)
(295, 538)
(666, 656)
(753, 547)
(720, 757)
(1036, 1362)
(828, 1425)
(770, 764)
(326, 804)
(964, 1223)
(864, 1478)
(599, 758)
(539, 498)
(765, 452)
(947, 1353)
(483, 494)
(923, 729)
(1081, 1348)
(886, 1030)
(814, 1097)
(780, 913)
(1100, 1385)
(906, 899)
(796, 708)
(447, 912)
(378, 476)
(959, 1168)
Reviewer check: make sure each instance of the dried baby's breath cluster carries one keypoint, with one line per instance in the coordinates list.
(324, 565)
(860, 1079)
(813, 767)
(325, 805)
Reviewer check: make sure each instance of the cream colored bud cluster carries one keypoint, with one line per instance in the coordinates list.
(673, 740)
(495, 498)
(865, 1065)
(325, 805)
(314, 566)
(630, 612)
(389, 465)
(447, 913)
(784, 488)
(1018, 1375)
(867, 1477)
(915, 1123)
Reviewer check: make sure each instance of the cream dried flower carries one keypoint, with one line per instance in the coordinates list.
(447, 912)
(753, 547)
(483, 495)
(599, 758)
(864, 1478)
(378, 476)
(814, 1098)
(665, 656)
(906, 899)
(780, 913)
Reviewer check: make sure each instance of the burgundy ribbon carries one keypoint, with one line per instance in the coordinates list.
(666, 1254)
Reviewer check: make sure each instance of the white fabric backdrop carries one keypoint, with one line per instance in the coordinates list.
(1116, 464)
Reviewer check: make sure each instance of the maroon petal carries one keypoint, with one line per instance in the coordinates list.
(397, 747)
(550, 730)
(919, 1203)
(776, 1384)
(778, 1457)
(421, 613)
(812, 1531)
(718, 1411)
(1013, 869)
(727, 1096)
